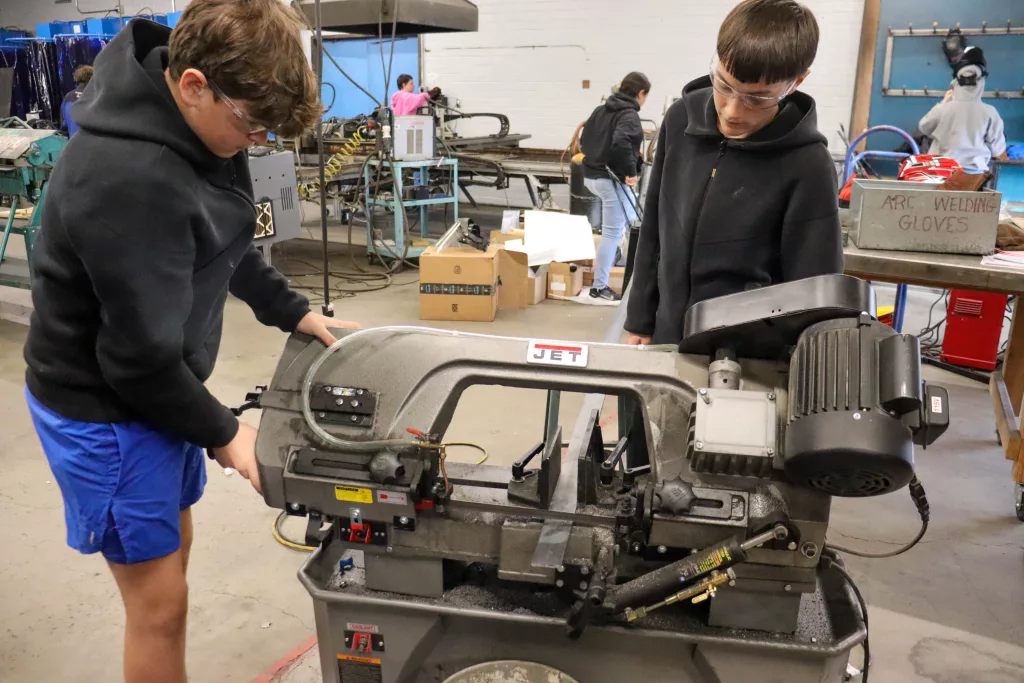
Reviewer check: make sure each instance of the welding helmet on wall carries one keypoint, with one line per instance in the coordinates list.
(972, 56)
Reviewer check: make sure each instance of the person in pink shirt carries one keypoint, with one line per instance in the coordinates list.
(405, 102)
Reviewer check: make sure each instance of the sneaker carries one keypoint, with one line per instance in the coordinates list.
(607, 294)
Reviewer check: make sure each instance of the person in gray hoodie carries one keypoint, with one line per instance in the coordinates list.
(963, 127)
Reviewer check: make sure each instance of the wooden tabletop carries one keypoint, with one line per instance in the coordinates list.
(944, 271)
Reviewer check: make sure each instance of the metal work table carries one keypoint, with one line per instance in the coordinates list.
(948, 271)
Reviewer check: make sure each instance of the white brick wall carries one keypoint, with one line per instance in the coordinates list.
(530, 58)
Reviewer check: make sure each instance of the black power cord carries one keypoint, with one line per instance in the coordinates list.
(921, 502)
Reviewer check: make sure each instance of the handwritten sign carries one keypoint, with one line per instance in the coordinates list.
(905, 217)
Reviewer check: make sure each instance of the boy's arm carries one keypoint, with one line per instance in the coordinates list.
(995, 137)
(812, 240)
(623, 156)
(139, 258)
(267, 293)
(644, 296)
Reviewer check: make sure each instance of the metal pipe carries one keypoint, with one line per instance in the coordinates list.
(1008, 31)
(119, 9)
(847, 172)
(327, 308)
(989, 94)
(8, 227)
(870, 153)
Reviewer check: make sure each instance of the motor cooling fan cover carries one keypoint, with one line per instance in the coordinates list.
(852, 455)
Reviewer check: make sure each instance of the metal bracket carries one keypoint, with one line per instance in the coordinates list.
(313, 535)
(554, 539)
(536, 487)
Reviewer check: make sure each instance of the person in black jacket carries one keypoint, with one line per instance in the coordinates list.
(743, 193)
(611, 139)
(147, 226)
(83, 75)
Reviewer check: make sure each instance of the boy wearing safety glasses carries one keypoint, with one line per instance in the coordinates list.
(147, 226)
(743, 193)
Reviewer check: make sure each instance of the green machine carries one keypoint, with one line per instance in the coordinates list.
(27, 158)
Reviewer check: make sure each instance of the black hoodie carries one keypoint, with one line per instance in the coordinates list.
(724, 216)
(612, 137)
(144, 233)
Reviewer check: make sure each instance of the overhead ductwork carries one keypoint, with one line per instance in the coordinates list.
(367, 17)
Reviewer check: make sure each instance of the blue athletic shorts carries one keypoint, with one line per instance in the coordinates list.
(124, 485)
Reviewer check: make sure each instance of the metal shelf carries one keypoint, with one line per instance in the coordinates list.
(382, 246)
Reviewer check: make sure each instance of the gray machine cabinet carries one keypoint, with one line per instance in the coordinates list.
(415, 640)
(275, 186)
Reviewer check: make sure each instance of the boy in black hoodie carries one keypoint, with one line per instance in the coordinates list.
(147, 226)
(743, 192)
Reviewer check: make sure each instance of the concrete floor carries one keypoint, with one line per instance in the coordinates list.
(951, 611)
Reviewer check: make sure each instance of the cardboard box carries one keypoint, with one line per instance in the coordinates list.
(537, 287)
(513, 279)
(499, 238)
(616, 278)
(564, 280)
(460, 283)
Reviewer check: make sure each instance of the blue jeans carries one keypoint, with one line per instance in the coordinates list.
(617, 212)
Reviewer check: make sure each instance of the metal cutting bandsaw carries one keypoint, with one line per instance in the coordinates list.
(691, 549)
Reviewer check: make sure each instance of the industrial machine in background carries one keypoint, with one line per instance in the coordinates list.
(974, 326)
(27, 158)
(691, 549)
(275, 193)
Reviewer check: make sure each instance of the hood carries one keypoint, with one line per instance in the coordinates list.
(969, 93)
(129, 98)
(796, 124)
(619, 102)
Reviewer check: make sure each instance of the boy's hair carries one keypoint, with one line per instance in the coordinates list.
(634, 83)
(771, 41)
(252, 51)
(83, 75)
(403, 79)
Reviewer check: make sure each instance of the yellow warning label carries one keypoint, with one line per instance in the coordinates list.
(361, 660)
(352, 494)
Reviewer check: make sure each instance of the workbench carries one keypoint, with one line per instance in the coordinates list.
(948, 271)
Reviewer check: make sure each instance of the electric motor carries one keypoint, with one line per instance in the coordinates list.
(855, 398)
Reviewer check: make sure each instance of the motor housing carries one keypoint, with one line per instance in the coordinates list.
(854, 390)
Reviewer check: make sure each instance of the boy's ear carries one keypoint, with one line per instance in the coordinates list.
(800, 80)
(191, 85)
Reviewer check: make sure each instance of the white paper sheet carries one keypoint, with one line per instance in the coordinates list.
(1005, 259)
(566, 237)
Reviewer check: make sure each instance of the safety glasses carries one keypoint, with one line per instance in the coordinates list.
(249, 127)
(747, 100)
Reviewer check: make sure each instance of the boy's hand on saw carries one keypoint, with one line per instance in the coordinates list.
(316, 325)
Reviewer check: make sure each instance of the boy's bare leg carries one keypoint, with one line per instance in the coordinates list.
(155, 599)
(186, 537)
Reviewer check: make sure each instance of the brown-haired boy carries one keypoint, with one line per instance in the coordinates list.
(147, 226)
(743, 192)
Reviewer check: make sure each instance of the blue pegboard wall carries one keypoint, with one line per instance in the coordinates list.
(918, 62)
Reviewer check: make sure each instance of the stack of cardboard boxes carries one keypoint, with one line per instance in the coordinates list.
(462, 283)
